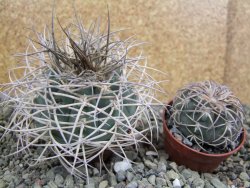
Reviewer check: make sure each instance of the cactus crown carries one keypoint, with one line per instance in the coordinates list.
(81, 97)
(87, 53)
(209, 115)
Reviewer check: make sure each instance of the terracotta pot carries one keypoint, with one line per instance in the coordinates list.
(193, 159)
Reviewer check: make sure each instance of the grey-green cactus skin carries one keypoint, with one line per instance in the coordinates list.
(96, 98)
(209, 115)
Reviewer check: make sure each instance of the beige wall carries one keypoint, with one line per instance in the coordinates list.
(191, 40)
(237, 72)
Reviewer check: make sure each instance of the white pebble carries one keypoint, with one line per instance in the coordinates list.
(176, 183)
(153, 153)
(122, 165)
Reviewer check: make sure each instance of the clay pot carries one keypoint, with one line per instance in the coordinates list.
(193, 159)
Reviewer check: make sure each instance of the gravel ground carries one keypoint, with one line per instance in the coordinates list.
(148, 170)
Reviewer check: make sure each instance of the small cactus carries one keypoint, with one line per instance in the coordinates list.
(81, 96)
(209, 115)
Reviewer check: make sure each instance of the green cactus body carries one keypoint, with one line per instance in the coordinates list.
(207, 118)
(93, 117)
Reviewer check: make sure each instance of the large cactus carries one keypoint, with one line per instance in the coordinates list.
(81, 97)
(209, 115)
(98, 106)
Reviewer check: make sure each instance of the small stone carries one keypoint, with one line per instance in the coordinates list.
(103, 184)
(95, 172)
(163, 155)
(90, 185)
(161, 182)
(36, 186)
(208, 185)
(172, 175)
(7, 111)
(21, 185)
(161, 167)
(150, 172)
(95, 180)
(224, 169)
(151, 153)
(61, 170)
(217, 183)
(2, 163)
(137, 177)
(139, 168)
(246, 184)
(236, 159)
(131, 155)
(151, 179)
(112, 179)
(26, 156)
(229, 182)
(195, 175)
(129, 176)
(187, 173)
(241, 162)
(122, 166)
(176, 183)
(120, 175)
(132, 184)
(50, 174)
(178, 137)
(196, 147)
(52, 184)
(81, 185)
(198, 182)
(141, 151)
(155, 161)
(207, 176)
(144, 183)
(187, 142)
(11, 185)
(231, 175)
(244, 176)
(11, 164)
(7, 176)
(173, 165)
(238, 169)
(59, 180)
(17, 162)
(69, 181)
(150, 164)
(25, 176)
(120, 185)
(237, 182)
(2, 184)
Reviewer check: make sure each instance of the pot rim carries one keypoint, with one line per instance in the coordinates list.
(243, 135)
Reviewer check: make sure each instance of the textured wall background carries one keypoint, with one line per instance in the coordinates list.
(237, 72)
(190, 40)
